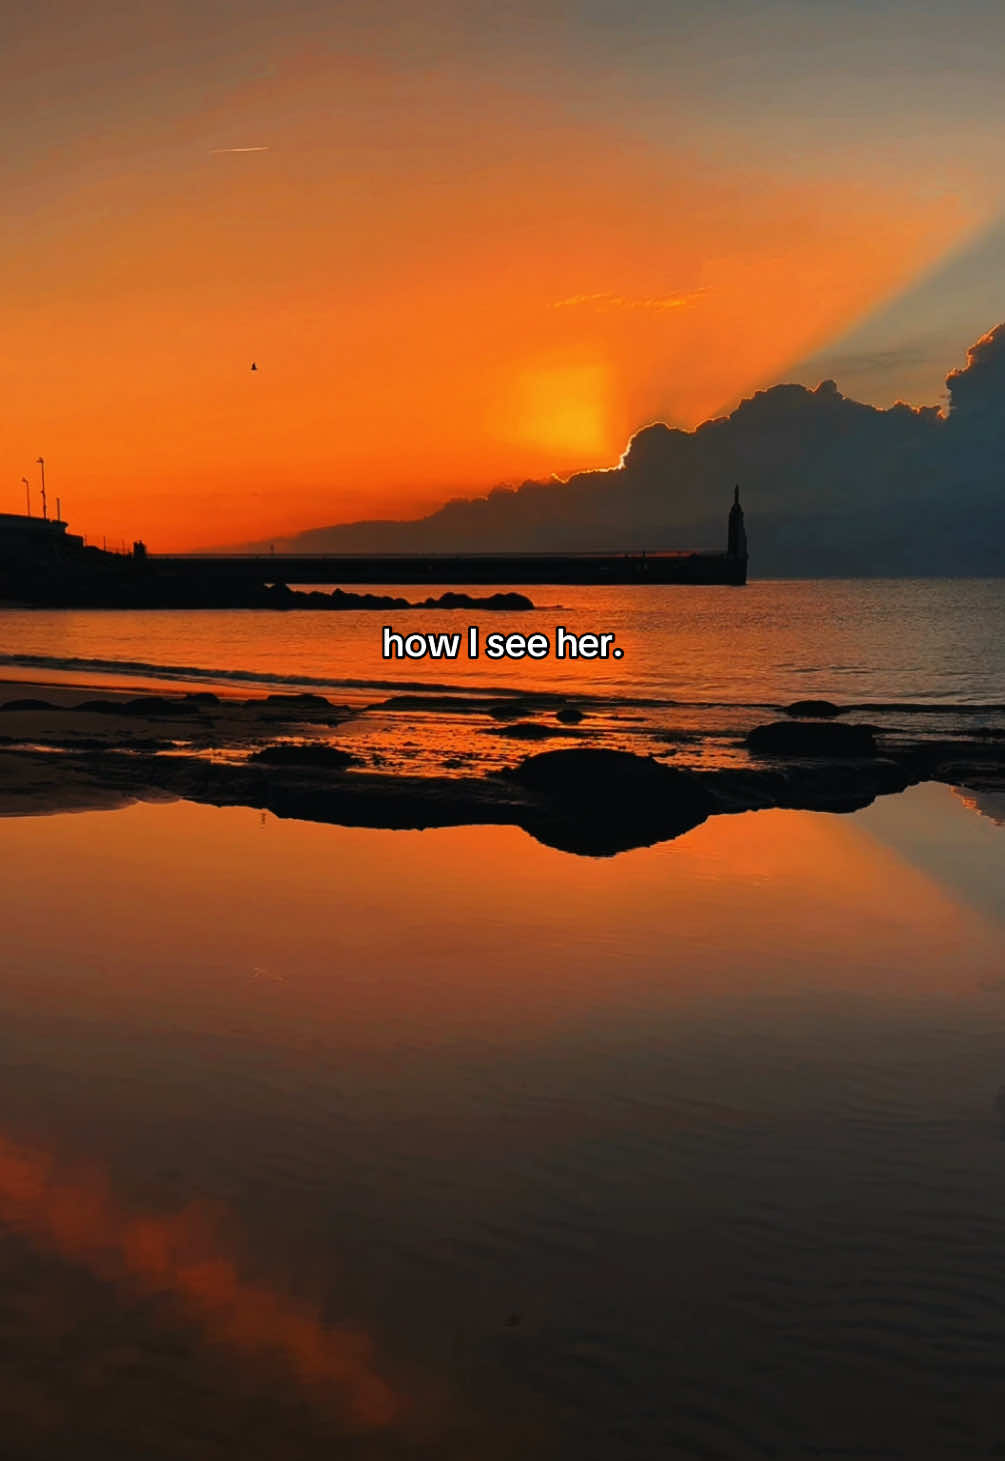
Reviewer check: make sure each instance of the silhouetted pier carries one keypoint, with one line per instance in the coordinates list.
(41, 563)
(459, 568)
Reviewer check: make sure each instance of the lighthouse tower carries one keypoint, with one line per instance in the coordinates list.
(736, 543)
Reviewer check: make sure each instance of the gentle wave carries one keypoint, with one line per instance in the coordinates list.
(202, 675)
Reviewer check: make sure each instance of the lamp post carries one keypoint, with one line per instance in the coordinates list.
(45, 510)
(27, 495)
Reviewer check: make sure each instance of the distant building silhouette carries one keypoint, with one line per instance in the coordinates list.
(736, 542)
(27, 540)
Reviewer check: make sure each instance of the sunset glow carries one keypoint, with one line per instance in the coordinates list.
(445, 283)
(502, 753)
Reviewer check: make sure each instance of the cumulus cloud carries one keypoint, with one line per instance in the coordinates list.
(831, 486)
(980, 386)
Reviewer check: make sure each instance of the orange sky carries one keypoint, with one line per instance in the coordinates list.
(445, 284)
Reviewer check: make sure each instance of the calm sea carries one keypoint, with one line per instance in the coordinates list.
(326, 1141)
(699, 666)
(933, 641)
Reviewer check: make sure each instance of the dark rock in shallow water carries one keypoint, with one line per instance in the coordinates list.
(511, 709)
(599, 802)
(329, 757)
(595, 773)
(304, 699)
(569, 715)
(529, 730)
(28, 705)
(141, 705)
(978, 765)
(201, 697)
(339, 599)
(801, 738)
(86, 743)
(837, 788)
(818, 709)
(513, 603)
(152, 705)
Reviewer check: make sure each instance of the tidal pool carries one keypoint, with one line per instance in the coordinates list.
(322, 1141)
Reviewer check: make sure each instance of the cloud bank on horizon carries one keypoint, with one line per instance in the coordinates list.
(832, 486)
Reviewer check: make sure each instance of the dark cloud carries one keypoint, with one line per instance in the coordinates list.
(979, 389)
(831, 486)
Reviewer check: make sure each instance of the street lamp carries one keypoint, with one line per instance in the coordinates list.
(45, 511)
(27, 495)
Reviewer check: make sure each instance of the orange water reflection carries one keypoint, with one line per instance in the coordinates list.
(307, 1022)
(79, 1217)
(296, 936)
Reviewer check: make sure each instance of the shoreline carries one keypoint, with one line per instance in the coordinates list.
(66, 748)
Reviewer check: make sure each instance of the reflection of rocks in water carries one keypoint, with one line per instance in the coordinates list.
(990, 804)
(999, 1105)
(512, 709)
(599, 802)
(416, 760)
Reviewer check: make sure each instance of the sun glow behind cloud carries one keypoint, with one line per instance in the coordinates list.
(415, 277)
(561, 409)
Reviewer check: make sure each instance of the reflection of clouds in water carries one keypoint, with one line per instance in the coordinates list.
(181, 1257)
(990, 804)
